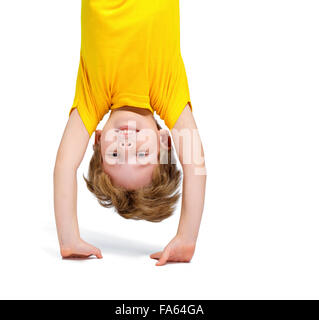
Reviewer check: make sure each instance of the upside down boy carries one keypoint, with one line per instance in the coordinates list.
(130, 67)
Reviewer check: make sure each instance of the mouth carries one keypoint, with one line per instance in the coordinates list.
(127, 130)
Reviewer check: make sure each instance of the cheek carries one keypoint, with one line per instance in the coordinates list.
(108, 168)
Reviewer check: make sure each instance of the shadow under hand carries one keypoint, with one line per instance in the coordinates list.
(109, 244)
(118, 245)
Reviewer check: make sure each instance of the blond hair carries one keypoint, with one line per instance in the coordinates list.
(154, 202)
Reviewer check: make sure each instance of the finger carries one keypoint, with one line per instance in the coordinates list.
(164, 257)
(156, 255)
(98, 254)
(76, 256)
(93, 251)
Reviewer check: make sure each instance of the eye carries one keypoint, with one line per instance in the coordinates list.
(113, 154)
(142, 154)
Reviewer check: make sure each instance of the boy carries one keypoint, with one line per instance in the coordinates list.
(131, 65)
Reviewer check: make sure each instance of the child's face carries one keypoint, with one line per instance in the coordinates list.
(130, 144)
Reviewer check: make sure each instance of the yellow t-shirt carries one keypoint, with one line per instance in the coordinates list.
(130, 56)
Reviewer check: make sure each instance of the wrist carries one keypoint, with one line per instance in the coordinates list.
(187, 238)
(69, 241)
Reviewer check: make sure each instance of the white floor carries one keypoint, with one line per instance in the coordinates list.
(253, 73)
(248, 248)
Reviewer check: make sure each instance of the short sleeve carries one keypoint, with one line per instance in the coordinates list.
(84, 100)
(174, 95)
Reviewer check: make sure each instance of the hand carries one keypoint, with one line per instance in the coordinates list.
(80, 249)
(178, 250)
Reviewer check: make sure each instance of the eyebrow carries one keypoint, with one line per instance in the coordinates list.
(137, 165)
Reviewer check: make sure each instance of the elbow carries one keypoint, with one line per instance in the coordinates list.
(195, 168)
(61, 168)
(201, 170)
(200, 163)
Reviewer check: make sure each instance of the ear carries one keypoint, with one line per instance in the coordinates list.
(165, 139)
(97, 136)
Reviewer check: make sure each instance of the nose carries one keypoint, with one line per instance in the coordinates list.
(126, 143)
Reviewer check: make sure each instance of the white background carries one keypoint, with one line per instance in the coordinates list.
(253, 72)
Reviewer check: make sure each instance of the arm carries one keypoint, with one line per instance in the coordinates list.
(194, 175)
(191, 155)
(70, 154)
